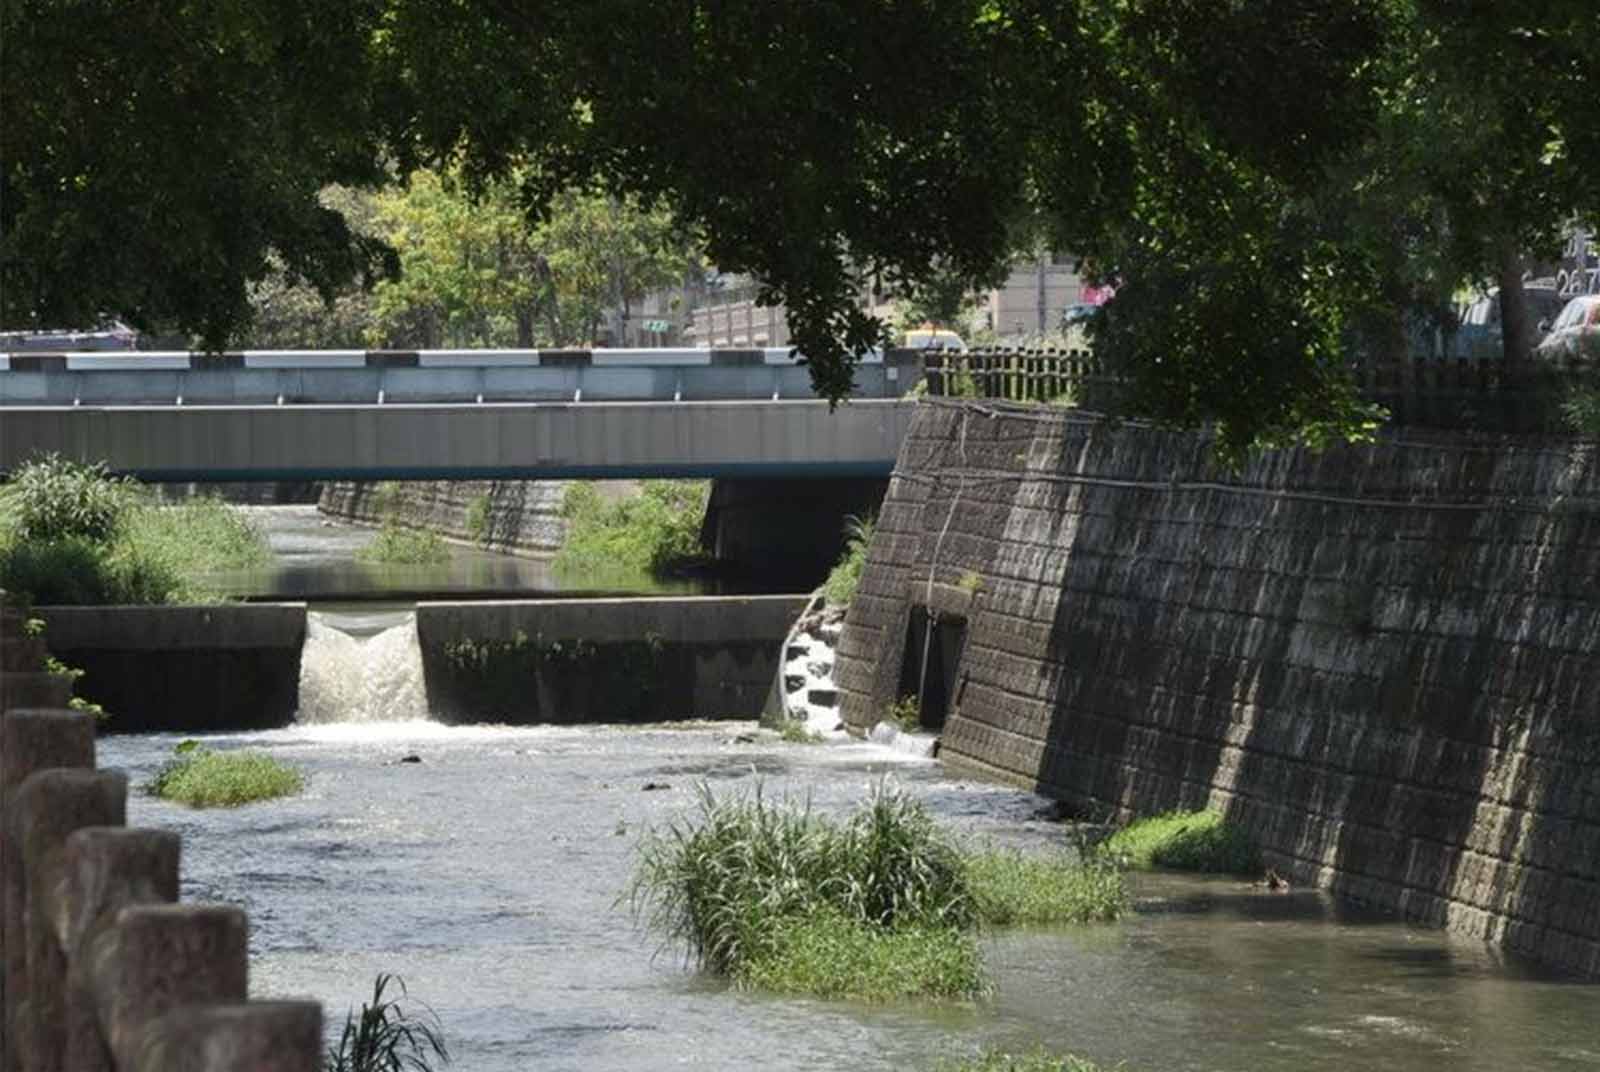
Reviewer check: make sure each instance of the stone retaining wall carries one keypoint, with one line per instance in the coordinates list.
(516, 516)
(1381, 660)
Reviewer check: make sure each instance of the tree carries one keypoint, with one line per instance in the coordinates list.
(477, 270)
(1231, 163)
(154, 155)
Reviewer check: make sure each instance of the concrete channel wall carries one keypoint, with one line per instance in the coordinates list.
(234, 666)
(603, 660)
(521, 517)
(103, 970)
(1380, 660)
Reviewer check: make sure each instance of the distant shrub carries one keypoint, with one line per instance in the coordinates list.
(1185, 841)
(53, 498)
(72, 534)
(840, 587)
(655, 531)
(202, 778)
(397, 545)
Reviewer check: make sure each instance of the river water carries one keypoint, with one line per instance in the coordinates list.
(487, 876)
(314, 557)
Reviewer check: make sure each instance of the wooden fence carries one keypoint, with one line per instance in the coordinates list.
(104, 970)
(1448, 393)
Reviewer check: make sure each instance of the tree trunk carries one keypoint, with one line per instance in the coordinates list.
(1517, 333)
(525, 328)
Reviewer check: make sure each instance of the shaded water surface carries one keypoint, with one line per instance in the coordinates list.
(314, 557)
(488, 875)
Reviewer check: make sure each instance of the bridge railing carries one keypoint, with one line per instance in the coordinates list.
(104, 971)
(1524, 397)
(356, 377)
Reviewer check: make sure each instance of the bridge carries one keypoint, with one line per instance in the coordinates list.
(462, 414)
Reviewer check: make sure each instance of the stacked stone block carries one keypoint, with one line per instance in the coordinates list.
(103, 969)
(1380, 659)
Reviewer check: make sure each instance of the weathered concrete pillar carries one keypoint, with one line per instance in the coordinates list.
(160, 959)
(48, 807)
(263, 1036)
(104, 870)
(30, 741)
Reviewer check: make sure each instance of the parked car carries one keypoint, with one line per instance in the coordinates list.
(1576, 332)
(930, 338)
(1480, 334)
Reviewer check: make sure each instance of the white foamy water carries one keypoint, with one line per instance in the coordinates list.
(362, 668)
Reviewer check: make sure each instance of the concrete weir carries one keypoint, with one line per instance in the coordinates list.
(603, 660)
(239, 666)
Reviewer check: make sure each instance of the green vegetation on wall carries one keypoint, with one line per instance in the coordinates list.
(840, 587)
(511, 679)
(655, 532)
(74, 534)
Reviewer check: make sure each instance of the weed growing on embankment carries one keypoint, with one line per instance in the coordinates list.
(1185, 841)
(656, 531)
(74, 534)
(840, 587)
(202, 778)
(878, 906)
(396, 545)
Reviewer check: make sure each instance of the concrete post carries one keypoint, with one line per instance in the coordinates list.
(50, 805)
(160, 959)
(104, 870)
(263, 1036)
(30, 741)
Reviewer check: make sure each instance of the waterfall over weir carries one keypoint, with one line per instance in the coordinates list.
(362, 667)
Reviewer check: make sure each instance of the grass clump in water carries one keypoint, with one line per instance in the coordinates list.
(656, 531)
(202, 778)
(796, 731)
(396, 545)
(840, 587)
(1185, 841)
(1013, 889)
(873, 907)
(1037, 1061)
(830, 955)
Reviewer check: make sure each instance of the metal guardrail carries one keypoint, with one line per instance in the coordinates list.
(361, 377)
